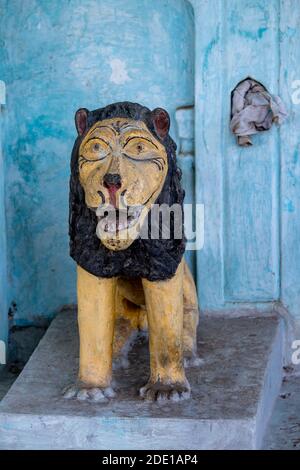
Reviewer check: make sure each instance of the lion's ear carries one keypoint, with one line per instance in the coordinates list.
(81, 117)
(161, 121)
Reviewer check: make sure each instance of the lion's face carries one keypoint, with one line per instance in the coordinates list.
(122, 169)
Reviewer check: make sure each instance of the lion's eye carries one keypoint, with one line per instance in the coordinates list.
(140, 147)
(95, 150)
(96, 147)
(136, 146)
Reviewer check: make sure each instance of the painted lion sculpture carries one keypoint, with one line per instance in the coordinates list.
(123, 164)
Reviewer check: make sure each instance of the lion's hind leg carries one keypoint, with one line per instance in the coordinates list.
(124, 338)
(190, 319)
(130, 320)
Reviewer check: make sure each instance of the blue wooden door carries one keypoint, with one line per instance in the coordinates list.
(251, 254)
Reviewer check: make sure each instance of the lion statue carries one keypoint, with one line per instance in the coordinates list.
(123, 164)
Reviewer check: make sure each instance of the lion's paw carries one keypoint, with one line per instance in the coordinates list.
(161, 392)
(84, 393)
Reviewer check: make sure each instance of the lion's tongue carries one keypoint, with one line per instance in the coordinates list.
(112, 189)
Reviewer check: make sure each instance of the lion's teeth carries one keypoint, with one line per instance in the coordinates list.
(112, 227)
(112, 223)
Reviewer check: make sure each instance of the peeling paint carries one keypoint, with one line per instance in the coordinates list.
(288, 206)
(4, 298)
(119, 74)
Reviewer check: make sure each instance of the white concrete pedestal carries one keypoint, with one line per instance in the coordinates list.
(232, 394)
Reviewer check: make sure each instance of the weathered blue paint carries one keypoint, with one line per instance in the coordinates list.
(251, 254)
(186, 162)
(290, 151)
(3, 252)
(56, 57)
(240, 187)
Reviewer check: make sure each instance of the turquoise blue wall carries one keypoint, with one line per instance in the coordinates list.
(290, 156)
(3, 254)
(55, 57)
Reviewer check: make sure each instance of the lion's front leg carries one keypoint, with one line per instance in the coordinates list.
(96, 316)
(164, 303)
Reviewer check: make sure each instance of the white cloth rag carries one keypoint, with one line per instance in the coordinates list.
(254, 109)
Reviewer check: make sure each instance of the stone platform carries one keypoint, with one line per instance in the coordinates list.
(233, 393)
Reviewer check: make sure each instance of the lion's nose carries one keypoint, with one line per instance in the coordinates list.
(112, 180)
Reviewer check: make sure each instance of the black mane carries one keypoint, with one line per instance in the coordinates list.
(150, 259)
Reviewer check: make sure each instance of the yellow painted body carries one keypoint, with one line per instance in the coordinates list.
(109, 310)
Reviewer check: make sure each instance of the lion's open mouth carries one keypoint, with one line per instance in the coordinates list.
(112, 221)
